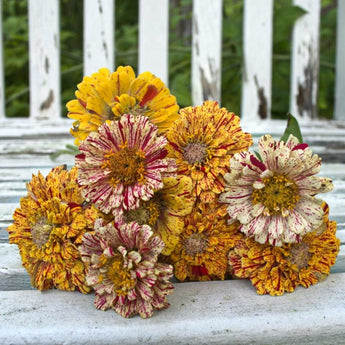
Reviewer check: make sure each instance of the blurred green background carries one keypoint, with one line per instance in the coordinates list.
(15, 31)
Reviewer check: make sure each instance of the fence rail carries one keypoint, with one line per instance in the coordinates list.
(99, 25)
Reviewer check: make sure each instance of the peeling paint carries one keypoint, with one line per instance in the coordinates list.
(104, 45)
(48, 102)
(100, 8)
(46, 64)
(195, 25)
(209, 88)
(195, 33)
(306, 104)
(263, 108)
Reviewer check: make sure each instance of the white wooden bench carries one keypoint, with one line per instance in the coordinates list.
(221, 312)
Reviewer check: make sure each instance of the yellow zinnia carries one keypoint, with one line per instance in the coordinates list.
(107, 96)
(274, 270)
(203, 245)
(48, 228)
(202, 140)
(164, 212)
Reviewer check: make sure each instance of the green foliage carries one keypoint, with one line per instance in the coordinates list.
(232, 55)
(15, 29)
(285, 15)
(292, 127)
(69, 150)
(15, 35)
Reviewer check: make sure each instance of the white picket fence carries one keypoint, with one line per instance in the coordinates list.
(99, 28)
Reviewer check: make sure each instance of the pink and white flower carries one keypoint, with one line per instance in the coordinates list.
(123, 268)
(274, 199)
(123, 163)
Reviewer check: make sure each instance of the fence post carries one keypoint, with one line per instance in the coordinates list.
(206, 50)
(2, 79)
(340, 64)
(257, 62)
(98, 35)
(153, 37)
(305, 61)
(44, 59)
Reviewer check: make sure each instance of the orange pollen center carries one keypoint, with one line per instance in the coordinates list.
(279, 195)
(299, 255)
(40, 232)
(119, 275)
(195, 153)
(195, 244)
(127, 165)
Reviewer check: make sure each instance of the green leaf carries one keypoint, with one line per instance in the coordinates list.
(292, 128)
(69, 150)
(258, 155)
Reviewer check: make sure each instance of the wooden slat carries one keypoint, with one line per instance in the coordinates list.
(200, 313)
(153, 37)
(257, 52)
(305, 61)
(98, 35)
(206, 51)
(2, 79)
(44, 59)
(340, 65)
(17, 128)
(34, 162)
(13, 276)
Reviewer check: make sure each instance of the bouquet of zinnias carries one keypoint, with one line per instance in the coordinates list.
(158, 192)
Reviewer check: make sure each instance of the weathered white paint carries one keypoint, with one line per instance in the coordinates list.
(257, 60)
(154, 37)
(44, 59)
(2, 80)
(339, 105)
(200, 313)
(206, 51)
(305, 61)
(98, 35)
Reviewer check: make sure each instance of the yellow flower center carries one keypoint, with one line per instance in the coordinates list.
(127, 165)
(195, 244)
(119, 275)
(195, 153)
(278, 195)
(40, 232)
(147, 213)
(299, 255)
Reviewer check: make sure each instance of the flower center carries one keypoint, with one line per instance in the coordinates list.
(195, 244)
(194, 153)
(147, 213)
(127, 165)
(137, 110)
(119, 275)
(279, 195)
(40, 232)
(299, 255)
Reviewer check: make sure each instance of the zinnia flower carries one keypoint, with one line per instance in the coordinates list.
(202, 141)
(274, 270)
(123, 163)
(48, 228)
(273, 199)
(202, 250)
(107, 96)
(164, 211)
(123, 268)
